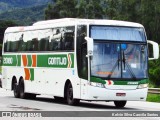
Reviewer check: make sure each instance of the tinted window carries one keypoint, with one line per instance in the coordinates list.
(56, 39)
(62, 39)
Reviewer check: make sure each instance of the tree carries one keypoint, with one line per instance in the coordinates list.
(94, 9)
(3, 27)
(61, 9)
(75, 9)
(150, 18)
(112, 9)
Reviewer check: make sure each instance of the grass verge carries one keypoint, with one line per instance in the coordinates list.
(153, 97)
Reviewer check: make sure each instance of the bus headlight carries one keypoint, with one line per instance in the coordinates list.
(97, 84)
(142, 86)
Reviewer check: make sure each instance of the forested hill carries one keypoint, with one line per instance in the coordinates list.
(25, 16)
(6, 5)
(23, 12)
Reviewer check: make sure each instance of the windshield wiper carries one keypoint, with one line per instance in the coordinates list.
(128, 66)
(114, 67)
(124, 60)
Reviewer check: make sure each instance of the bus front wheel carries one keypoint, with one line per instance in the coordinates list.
(120, 104)
(70, 99)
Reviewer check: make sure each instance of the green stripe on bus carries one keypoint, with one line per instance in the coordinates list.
(29, 58)
(31, 74)
(120, 82)
(19, 60)
(98, 80)
(54, 61)
(144, 81)
(129, 82)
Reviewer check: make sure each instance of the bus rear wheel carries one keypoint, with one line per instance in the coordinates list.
(21, 90)
(70, 99)
(120, 104)
(16, 90)
(24, 95)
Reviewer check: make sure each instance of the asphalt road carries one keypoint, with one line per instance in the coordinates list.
(47, 103)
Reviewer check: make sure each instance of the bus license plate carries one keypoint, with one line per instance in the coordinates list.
(121, 94)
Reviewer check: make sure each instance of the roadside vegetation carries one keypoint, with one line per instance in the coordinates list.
(153, 98)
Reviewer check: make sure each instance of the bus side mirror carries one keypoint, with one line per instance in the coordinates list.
(155, 50)
(89, 46)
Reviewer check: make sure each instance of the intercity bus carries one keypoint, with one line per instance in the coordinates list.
(78, 59)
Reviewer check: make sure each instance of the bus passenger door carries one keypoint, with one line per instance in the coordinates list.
(83, 71)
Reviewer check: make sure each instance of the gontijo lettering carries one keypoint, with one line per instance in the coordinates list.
(57, 61)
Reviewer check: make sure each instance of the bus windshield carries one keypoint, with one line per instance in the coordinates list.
(119, 60)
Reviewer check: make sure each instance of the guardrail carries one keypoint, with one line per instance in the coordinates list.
(154, 90)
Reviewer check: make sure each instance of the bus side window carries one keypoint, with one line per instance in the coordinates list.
(47, 44)
(44, 44)
(20, 42)
(68, 38)
(5, 47)
(8, 49)
(29, 45)
(43, 40)
(69, 41)
(13, 43)
(35, 44)
(6, 43)
(55, 40)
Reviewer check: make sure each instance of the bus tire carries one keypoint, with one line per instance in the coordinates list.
(16, 90)
(70, 99)
(22, 93)
(120, 104)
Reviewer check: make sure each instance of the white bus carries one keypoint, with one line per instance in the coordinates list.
(78, 59)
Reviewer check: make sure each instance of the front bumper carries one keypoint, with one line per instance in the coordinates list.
(104, 94)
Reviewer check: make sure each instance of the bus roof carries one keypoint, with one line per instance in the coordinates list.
(72, 21)
(89, 21)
